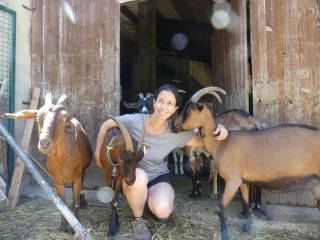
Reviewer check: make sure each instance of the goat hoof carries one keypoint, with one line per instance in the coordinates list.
(83, 204)
(245, 229)
(72, 231)
(260, 213)
(242, 215)
(113, 232)
(63, 229)
(224, 235)
(214, 196)
(192, 195)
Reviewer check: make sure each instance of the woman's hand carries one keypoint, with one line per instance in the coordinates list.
(222, 131)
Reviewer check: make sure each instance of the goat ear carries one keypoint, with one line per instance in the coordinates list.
(140, 155)
(126, 155)
(27, 114)
(199, 106)
(131, 105)
(75, 125)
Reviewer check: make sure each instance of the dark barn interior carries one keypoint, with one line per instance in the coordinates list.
(157, 43)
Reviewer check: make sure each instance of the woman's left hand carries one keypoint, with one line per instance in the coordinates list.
(222, 131)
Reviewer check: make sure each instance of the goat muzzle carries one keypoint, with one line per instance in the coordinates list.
(130, 181)
(45, 145)
(176, 128)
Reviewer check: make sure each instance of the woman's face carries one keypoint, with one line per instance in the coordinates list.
(165, 105)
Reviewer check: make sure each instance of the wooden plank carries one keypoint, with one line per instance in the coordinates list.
(313, 35)
(263, 62)
(295, 61)
(304, 64)
(14, 190)
(36, 43)
(288, 98)
(271, 64)
(256, 92)
(278, 42)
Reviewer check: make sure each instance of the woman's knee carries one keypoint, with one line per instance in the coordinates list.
(140, 183)
(160, 200)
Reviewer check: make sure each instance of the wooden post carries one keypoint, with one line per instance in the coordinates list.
(144, 64)
(14, 191)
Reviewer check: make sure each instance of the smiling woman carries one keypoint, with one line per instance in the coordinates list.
(153, 179)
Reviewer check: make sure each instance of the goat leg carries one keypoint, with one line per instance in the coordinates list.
(199, 187)
(246, 209)
(194, 186)
(214, 172)
(181, 164)
(229, 192)
(114, 224)
(83, 202)
(64, 222)
(257, 204)
(76, 191)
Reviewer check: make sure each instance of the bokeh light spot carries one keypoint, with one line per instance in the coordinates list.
(179, 41)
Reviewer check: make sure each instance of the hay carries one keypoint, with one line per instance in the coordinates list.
(39, 219)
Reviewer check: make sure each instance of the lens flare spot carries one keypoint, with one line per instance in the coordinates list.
(179, 41)
(69, 11)
(220, 19)
(105, 194)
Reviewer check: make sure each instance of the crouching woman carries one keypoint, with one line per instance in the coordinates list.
(153, 183)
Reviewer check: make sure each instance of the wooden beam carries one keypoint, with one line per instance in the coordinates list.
(144, 64)
(183, 10)
(127, 33)
(14, 191)
(126, 11)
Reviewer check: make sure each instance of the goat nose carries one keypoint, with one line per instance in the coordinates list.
(130, 182)
(45, 143)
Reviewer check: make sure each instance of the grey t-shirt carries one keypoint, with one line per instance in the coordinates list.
(160, 145)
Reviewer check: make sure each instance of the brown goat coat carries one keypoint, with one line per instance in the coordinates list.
(69, 152)
(284, 158)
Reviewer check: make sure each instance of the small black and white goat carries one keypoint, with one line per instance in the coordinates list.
(144, 104)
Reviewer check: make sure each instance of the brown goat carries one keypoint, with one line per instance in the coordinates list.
(282, 158)
(64, 141)
(236, 119)
(233, 120)
(119, 161)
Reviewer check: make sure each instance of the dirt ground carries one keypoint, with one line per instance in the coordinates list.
(36, 217)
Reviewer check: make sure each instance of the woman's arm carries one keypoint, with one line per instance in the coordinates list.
(197, 142)
(105, 127)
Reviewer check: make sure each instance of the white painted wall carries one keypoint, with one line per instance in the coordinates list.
(23, 59)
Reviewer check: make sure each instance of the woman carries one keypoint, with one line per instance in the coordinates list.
(153, 179)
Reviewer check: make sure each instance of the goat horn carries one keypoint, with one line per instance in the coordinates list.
(212, 90)
(48, 99)
(149, 95)
(140, 95)
(62, 100)
(142, 134)
(125, 133)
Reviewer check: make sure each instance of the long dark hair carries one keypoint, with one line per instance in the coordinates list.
(169, 88)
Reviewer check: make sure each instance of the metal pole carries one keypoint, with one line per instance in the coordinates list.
(63, 208)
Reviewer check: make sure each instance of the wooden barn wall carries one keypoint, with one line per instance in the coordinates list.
(285, 42)
(80, 60)
(229, 60)
(285, 46)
